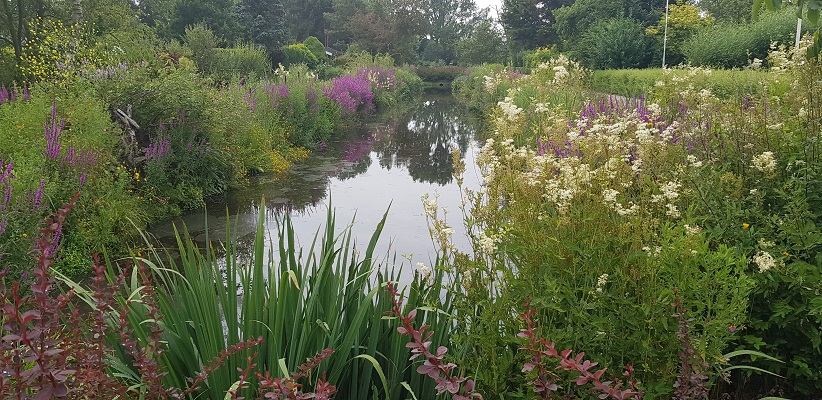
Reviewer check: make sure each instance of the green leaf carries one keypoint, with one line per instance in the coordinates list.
(752, 368)
(752, 353)
(408, 388)
(378, 368)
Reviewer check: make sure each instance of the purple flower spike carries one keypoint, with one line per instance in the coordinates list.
(38, 197)
(83, 179)
(2, 227)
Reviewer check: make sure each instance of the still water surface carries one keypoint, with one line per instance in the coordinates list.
(393, 162)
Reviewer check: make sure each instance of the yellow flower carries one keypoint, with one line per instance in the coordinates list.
(25, 235)
(786, 254)
(745, 225)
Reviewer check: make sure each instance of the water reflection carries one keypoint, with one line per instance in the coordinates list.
(363, 172)
(422, 143)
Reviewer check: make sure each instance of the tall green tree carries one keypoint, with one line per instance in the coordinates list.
(306, 18)
(339, 30)
(216, 14)
(447, 21)
(728, 10)
(264, 24)
(15, 16)
(530, 23)
(483, 44)
(381, 26)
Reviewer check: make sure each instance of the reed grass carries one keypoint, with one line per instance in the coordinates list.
(299, 302)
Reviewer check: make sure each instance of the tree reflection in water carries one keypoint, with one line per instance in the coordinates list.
(422, 142)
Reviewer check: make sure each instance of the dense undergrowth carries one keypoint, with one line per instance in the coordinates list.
(146, 138)
(604, 211)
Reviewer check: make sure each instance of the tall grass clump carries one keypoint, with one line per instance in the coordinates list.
(291, 302)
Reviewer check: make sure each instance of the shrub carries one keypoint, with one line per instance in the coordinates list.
(539, 56)
(241, 60)
(76, 149)
(614, 43)
(316, 47)
(299, 54)
(439, 74)
(8, 66)
(734, 45)
(202, 42)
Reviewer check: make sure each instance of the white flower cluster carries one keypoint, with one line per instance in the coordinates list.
(423, 270)
(488, 243)
(692, 230)
(601, 281)
(764, 261)
(510, 109)
(669, 194)
(765, 163)
(490, 82)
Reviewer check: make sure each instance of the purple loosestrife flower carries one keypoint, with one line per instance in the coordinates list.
(4, 94)
(7, 196)
(2, 227)
(83, 179)
(38, 197)
(350, 93)
(51, 131)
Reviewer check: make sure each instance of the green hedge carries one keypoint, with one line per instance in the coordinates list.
(732, 45)
(632, 82)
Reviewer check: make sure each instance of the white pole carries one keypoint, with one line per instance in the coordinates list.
(665, 36)
(798, 31)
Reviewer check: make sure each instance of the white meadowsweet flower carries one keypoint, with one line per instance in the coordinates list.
(601, 281)
(764, 261)
(692, 230)
(765, 163)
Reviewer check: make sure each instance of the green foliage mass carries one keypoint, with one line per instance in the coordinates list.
(734, 45)
(614, 43)
(299, 54)
(316, 47)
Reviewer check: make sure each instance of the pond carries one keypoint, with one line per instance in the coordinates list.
(392, 163)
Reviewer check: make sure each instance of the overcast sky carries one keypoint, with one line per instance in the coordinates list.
(489, 3)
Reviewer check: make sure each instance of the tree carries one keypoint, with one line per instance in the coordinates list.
(15, 16)
(684, 20)
(483, 44)
(214, 13)
(614, 44)
(573, 21)
(306, 18)
(388, 26)
(264, 23)
(530, 23)
(728, 10)
(447, 21)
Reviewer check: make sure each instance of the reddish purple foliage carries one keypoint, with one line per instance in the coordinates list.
(433, 366)
(692, 382)
(289, 388)
(545, 380)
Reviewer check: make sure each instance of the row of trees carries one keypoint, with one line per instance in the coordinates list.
(438, 31)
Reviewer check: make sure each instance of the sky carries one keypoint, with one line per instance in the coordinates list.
(489, 3)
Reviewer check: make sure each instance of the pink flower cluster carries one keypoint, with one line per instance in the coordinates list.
(9, 96)
(351, 93)
(52, 131)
